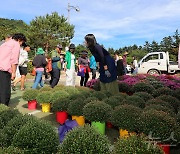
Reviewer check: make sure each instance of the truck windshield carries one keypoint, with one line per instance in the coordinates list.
(151, 57)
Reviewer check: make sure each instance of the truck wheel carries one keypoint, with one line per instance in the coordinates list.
(153, 71)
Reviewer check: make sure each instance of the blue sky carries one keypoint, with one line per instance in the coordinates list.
(115, 23)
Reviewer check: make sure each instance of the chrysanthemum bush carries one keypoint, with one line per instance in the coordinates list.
(98, 94)
(159, 107)
(58, 95)
(3, 107)
(136, 144)
(97, 111)
(170, 81)
(124, 87)
(92, 83)
(127, 117)
(60, 105)
(75, 107)
(14, 125)
(158, 102)
(85, 140)
(174, 102)
(30, 94)
(143, 87)
(157, 124)
(144, 95)
(44, 97)
(7, 115)
(114, 101)
(135, 101)
(11, 150)
(36, 137)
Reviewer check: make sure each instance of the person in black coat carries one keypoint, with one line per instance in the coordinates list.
(120, 67)
(108, 73)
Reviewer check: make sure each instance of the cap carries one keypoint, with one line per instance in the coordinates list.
(120, 57)
(59, 46)
(40, 51)
(125, 53)
(72, 46)
(84, 53)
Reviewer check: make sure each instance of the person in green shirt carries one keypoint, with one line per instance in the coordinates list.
(70, 61)
(56, 66)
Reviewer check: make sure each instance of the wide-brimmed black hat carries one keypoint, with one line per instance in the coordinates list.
(72, 46)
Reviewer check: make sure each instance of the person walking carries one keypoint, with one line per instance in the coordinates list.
(108, 73)
(93, 66)
(69, 66)
(9, 55)
(39, 62)
(56, 66)
(23, 60)
(83, 67)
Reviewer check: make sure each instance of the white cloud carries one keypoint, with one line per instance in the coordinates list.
(109, 20)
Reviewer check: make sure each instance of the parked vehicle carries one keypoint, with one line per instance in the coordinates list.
(157, 63)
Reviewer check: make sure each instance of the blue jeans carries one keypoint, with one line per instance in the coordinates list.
(38, 80)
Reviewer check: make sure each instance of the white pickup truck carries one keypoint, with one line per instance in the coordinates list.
(157, 63)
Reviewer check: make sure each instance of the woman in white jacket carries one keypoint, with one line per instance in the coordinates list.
(23, 60)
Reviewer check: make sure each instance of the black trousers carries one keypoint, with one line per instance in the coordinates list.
(93, 73)
(5, 87)
(55, 75)
(84, 79)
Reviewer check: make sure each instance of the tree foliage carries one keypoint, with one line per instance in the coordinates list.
(49, 30)
(11, 26)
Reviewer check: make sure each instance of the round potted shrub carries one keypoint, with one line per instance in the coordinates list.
(124, 88)
(11, 150)
(36, 137)
(60, 108)
(98, 113)
(71, 90)
(6, 116)
(162, 91)
(84, 140)
(3, 107)
(98, 94)
(58, 95)
(127, 119)
(114, 101)
(30, 96)
(144, 95)
(90, 99)
(159, 107)
(79, 95)
(154, 82)
(158, 102)
(178, 117)
(135, 101)
(136, 145)
(44, 99)
(58, 88)
(176, 93)
(75, 109)
(158, 125)
(143, 87)
(173, 101)
(45, 88)
(14, 125)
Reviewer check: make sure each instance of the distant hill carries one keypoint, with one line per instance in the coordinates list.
(11, 26)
